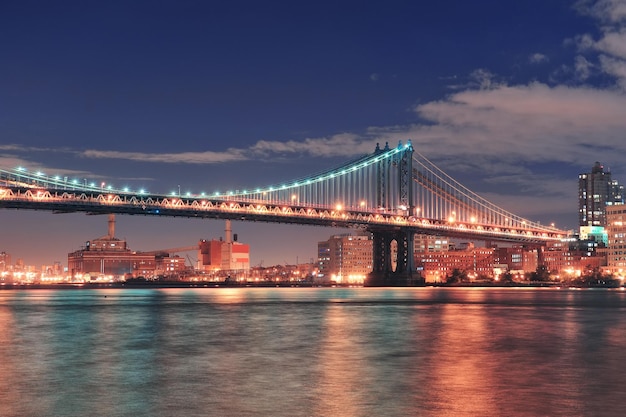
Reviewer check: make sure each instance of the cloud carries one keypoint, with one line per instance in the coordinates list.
(534, 121)
(374, 77)
(611, 45)
(345, 144)
(582, 68)
(607, 11)
(206, 157)
(537, 58)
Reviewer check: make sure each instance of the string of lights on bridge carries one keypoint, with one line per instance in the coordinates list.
(75, 183)
(353, 189)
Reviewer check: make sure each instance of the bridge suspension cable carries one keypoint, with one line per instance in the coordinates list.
(393, 185)
(441, 196)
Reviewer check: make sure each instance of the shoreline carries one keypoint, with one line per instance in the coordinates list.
(178, 284)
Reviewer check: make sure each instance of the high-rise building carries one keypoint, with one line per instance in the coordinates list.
(596, 190)
(616, 231)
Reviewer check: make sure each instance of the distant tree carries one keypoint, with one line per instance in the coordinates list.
(456, 276)
(484, 278)
(541, 274)
(507, 277)
(594, 276)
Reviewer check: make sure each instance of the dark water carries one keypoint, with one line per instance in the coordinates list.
(313, 352)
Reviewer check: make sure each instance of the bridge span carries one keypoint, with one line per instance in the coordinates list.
(394, 193)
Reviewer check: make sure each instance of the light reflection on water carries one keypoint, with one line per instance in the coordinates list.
(313, 352)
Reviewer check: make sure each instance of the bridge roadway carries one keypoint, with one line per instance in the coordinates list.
(27, 197)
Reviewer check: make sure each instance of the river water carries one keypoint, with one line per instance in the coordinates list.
(313, 352)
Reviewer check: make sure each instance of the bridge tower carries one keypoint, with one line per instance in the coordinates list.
(394, 267)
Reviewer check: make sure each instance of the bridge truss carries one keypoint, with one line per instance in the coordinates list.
(392, 193)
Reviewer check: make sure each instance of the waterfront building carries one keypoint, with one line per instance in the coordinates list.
(567, 258)
(517, 259)
(109, 258)
(5, 262)
(345, 258)
(616, 248)
(557, 257)
(171, 267)
(224, 254)
(596, 234)
(430, 243)
(478, 263)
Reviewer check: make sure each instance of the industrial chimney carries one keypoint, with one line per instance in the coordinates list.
(111, 226)
(228, 233)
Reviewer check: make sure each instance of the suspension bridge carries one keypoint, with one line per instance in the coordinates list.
(393, 193)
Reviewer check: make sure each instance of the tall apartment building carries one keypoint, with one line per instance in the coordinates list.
(596, 190)
(616, 231)
(345, 258)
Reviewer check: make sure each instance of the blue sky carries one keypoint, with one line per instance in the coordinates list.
(513, 98)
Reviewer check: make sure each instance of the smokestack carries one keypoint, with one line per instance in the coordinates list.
(111, 226)
(227, 232)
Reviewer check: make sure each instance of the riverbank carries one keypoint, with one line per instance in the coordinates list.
(269, 284)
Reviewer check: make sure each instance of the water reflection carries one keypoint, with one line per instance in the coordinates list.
(312, 352)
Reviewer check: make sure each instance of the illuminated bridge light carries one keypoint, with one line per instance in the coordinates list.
(323, 198)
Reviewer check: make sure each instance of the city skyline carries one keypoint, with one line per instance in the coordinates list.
(195, 96)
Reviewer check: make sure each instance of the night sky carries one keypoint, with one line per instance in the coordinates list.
(514, 99)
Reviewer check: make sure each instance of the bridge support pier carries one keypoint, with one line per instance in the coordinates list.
(393, 263)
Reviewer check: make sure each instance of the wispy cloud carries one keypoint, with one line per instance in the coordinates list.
(203, 157)
(611, 45)
(537, 58)
(529, 122)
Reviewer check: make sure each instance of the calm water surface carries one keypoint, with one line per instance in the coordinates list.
(313, 352)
